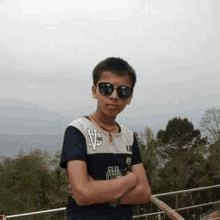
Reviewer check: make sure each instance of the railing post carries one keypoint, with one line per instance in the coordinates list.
(176, 199)
(65, 215)
(138, 211)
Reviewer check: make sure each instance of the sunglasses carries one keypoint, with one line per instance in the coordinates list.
(123, 91)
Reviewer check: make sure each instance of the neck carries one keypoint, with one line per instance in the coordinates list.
(104, 119)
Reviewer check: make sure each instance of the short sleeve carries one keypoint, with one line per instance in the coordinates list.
(136, 157)
(74, 146)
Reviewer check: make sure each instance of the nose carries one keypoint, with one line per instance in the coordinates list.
(114, 94)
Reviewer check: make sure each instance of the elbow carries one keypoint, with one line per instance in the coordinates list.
(146, 194)
(84, 197)
(81, 197)
(82, 200)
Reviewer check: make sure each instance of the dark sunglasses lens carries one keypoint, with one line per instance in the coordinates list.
(124, 92)
(105, 88)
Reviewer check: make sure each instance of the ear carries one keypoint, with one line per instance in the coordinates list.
(94, 92)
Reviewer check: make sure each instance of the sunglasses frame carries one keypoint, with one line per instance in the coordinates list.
(117, 89)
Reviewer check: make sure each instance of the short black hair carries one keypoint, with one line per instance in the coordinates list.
(115, 65)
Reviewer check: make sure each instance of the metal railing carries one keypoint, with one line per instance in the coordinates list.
(176, 198)
(154, 213)
(179, 209)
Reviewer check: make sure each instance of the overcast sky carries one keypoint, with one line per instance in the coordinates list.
(48, 49)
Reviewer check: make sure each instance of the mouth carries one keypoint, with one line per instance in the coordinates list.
(112, 106)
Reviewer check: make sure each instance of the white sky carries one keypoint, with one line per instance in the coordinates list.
(48, 49)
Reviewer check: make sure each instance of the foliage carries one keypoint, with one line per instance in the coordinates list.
(149, 134)
(149, 158)
(151, 161)
(28, 186)
(186, 167)
(210, 124)
(213, 163)
(179, 136)
(173, 161)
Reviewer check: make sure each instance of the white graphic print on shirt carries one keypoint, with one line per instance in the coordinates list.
(95, 138)
(113, 172)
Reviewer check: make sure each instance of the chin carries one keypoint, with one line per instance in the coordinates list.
(113, 114)
(110, 113)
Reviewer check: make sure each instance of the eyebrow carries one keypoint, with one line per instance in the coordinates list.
(112, 83)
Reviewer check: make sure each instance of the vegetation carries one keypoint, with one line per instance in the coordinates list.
(176, 158)
(210, 124)
(28, 186)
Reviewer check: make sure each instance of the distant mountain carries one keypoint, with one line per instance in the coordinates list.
(25, 125)
(11, 144)
(25, 118)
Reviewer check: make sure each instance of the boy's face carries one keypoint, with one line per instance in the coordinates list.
(111, 105)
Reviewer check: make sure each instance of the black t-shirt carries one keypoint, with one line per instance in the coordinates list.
(104, 159)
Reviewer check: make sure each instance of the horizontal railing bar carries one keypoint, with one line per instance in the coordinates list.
(154, 213)
(34, 213)
(162, 194)
(187, 190)
(179, 209)
(195, 206)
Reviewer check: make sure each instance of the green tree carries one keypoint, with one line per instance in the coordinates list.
(185, 151)
(56, 159)
(148, 156)
(20, 153)
(2, 158)
(214, 171)
(26, 186)
(205, 175)
(47, 160)
(214, 160)
(151, 156)
(179, 136)
(149, 134)
(210, 124)
(7, 161)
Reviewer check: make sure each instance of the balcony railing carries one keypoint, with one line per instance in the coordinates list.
(149, 214)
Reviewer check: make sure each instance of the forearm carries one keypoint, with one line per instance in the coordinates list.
(96, 191)
(138, 194)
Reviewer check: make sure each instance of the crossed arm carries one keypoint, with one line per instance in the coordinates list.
(132, 188)
(141, 193)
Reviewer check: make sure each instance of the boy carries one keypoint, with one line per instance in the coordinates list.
(98, 152)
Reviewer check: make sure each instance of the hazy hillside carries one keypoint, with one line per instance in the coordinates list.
(25, 118)
(25, 125)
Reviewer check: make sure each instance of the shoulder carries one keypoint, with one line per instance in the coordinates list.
(76, 122)
(126, 129)
(128, 133)
(79, 123)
